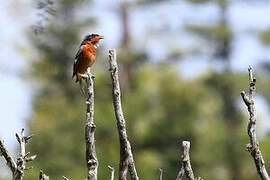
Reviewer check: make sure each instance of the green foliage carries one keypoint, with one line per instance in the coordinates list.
(222, 3)
(213, 33)
(265, 37)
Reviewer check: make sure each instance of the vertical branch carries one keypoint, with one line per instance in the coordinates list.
(126, 156)
(253, 146)
(91, 157)
(17, 169)
(20, 160)
(112, 172)
(23, 157)
(160, 174)
(181, 173)
(186, 160)
(186, 168)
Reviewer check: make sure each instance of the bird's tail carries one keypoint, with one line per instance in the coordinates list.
(80, 80)
(77, 77)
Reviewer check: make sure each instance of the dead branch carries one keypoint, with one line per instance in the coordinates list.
(17, 169)
(160, 174)
(126, 156)
(186, 164)
(112, 172)
(91, 157)
(9, 160)
(43, 176)
(253, 146)
(181, 173)
(65, 178)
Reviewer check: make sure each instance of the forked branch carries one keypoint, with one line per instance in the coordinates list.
(17, 168)
(253, 146)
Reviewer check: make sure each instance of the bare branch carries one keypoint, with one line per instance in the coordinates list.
(112, 172)
(17, 169)
(65, 178)
(91, 157)
(43, 176)
(21, 160)
(10, 161)
(23, 157)
(186, 160)
(126, 156)
(253, 146)
(181, 173)
(186, 164)
(160, 174)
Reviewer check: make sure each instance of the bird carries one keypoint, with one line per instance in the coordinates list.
(86, 56)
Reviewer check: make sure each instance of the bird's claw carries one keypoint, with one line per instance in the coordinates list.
(84, 76)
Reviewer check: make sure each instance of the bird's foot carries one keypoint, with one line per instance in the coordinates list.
(89, 74)
(84, 76)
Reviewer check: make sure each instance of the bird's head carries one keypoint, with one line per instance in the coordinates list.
(93, 39)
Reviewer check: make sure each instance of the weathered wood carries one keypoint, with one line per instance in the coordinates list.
(126, 156)
(253, 146)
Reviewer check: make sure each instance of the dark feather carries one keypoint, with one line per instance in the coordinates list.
(77, 57)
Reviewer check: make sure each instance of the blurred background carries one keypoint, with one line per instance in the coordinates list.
(183, 64)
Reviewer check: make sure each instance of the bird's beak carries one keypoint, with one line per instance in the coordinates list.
(101, 37)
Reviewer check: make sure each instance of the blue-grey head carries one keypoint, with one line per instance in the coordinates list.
(92, 38)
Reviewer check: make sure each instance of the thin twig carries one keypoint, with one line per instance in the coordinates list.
(253, 146)
(112, 172)
(186, 164)
(17, 169)
(65, 178)
(10, 161)
(160, 174)
(91, 157)
(126, 156)
(43, 176)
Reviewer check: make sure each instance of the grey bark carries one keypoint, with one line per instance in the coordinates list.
(43, 176)
(160, 174)
(112, 172)
(17, 168)
(253, 146)
(186, 168)
(9, 160)
(65, 178)
(91, 157)
(126, 156)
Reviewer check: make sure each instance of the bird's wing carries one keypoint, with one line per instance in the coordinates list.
(78, 54)
(77, 57)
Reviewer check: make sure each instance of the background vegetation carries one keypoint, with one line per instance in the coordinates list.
(162, 107)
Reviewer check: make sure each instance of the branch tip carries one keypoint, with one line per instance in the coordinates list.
(126, 156)
(253, 145)
(112, 172)
(90, 151)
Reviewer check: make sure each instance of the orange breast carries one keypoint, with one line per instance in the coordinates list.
(87, 59)
(89, 55)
